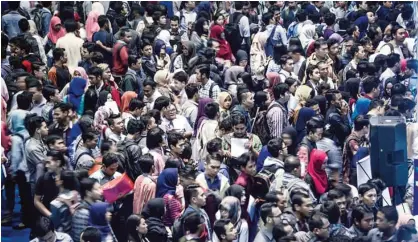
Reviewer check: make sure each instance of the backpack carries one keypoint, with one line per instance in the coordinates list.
(37, 18)
(178, 229)
(132, 168)
(232, 32)
(261, 128)
(293, 31)
(262, 182)
(271, 43)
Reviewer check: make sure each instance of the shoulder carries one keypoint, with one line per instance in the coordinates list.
(63, 237)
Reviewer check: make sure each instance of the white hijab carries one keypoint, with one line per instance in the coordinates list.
(307, 35)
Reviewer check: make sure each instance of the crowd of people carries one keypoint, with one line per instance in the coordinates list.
(232, 121)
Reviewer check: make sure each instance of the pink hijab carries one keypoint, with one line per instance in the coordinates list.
(82, 72)
(92, 25)
(54, 35)
(273, 79)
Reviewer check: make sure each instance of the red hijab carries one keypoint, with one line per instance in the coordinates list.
(224, 47)
(54, 35)
(315, 170)
(273, 79)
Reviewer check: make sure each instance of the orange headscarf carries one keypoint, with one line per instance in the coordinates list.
(126, 99)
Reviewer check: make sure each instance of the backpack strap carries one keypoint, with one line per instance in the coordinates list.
(83, 153)
(392, 49)
(211, 89)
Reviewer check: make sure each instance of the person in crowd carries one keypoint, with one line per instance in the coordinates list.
(190, 107)
(230, 208)
(270, 217)
(120, 53)
(155, 143)
(212, 179)
(301, 210)
(71, 44)
(316, 175)
(277, 115)
(318, 229)
(363, 221)
(134, 77)
(145, 186)
(62, 124)
(181, 61)
(11, 19)
(368, 196)
(99, 218)
(59, 74)
(387, 217)
(83, 157)
(137, 228)
(225, 230)
(76, 94)
(153, 213)
(91, 234)
(166, 189)
(44, 230)
(109, 168)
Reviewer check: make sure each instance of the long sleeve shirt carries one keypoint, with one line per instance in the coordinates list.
(144, 190)
(277, 119)
(174, 209)
(9, 23)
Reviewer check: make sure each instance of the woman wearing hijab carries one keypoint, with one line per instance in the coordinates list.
(242, 59)
(289, 136)
(78, 72)
(304, 115)
(317, 177)
(200, 34)
(165, 36)
(224, 52)
(273, 79)
(230, 208)
(56, 31)
(125, 100)
(231, 78)
(153, 213)
(362, 108)
(76, 94)
(92, 25)
(162, 58)
(307, 35)
(225, 101)
(100, 218)
(188, 51)
(302, 94)
(201, 113)
(161, 77)
(166, 189)
(259, 60)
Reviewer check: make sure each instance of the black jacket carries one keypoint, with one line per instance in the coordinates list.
(131, 152)
(156, 230)
(339, 125)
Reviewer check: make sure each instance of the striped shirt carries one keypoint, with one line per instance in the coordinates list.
(205, 90)
(173, 209)
(277, 119)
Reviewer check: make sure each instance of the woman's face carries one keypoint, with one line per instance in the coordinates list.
(163, 20)
(142, 227)
(224, 210)
(162, 51)
(243, 198)
(287, 139)
(243, 63)
(76, 74)
(220, 20)
(185, 51)
(227, 102)
(389, 88)
(206, 27)
(316, 75)
(57, 27)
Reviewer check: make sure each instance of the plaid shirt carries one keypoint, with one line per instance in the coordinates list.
(205, 91)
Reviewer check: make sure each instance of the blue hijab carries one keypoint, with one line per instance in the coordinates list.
(362, 24)
(362, 108)
(97, 218)
(76, 91)
(305, 114)
(159, 44)
(167, 182)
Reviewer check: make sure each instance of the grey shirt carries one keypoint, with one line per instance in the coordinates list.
(83, 158)
(376, 236)
(35, 152)
(264, 235)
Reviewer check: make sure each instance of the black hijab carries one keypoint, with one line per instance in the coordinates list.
(155, 208)
(234, 191)
(291, 150)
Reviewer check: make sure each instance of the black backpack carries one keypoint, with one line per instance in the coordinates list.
(37, 18)
(232, 32)
(261, 128)
(132, 168)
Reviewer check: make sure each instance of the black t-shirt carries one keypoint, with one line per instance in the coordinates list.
(46, 187)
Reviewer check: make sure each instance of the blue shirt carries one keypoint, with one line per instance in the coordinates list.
(215, 185)
(108, 40)
(9, 23)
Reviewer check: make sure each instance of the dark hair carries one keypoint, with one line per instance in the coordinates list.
(290, 81)
(52, 138)
(105, 147)
(102, 20)
(331, 209)
(86, 185)
(191, 90)
(329, 19)
(211, 110)
(181, 76)
(156, 115)
(272, 196)
(370, 83)
(22, 44)
(24, 100)
(316, 221)
(284, 59)
(133, 59)
(32, 123)
(335, 194)
(238, 119)
(311, 103)
(266, 18)
(344, 188)
(110, 159)
(274, 146)
(162, 102)
(69, 180)
(146, 162)
(57, 53)
(359, 212)
(64, 107)
(132, 224)
(70, 25)
(319, 42)
(398, 89)
(111, 119)
(219, 226)
(244, 159)
(297, 199)
(154, 138)
(57, 156)
(135, 126)
(136, 104)
(96, 57)
(214, 145)
(95, 71)
(392, 59)
(360, 122)
(23, 25)
(43, 226)
(391, 214)
(266, 210)
(204, 69)
(192, 222)
(312, 125)
(365, 187)
(88, 136)
(290, 163)
(175, 18)
(173, 138)
(279, 90)
(331, 42)
(92, 234)
(239, 5)
(190, 192)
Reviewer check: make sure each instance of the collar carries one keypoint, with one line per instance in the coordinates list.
(207, 85)
(267, 233)
(100, 87)
(210, 179)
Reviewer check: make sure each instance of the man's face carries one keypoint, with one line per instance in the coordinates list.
(246, 9)
(360, 53)
(317, 135)
(200, 199)
(230, 232)
(370, 17)
(21, 84)
(275, 213)
(306, 208)
(18, 51)
(367, 223)
(170, 112)
(59, 145)
(179, 147)
(151, 123)
(277, 16)
(56, 98)
(323, 70)
(348, 46)
(323, 233)
(111, 170)
(322, 51)
(215, 46)
(147, 50)
(370, 197)
(51, 165)
(249, 169)
(289, 66)
(43, 130)
(212, 168)
(174, 25)
(382, 223)
(60, 116)
(40, 74)
(96, 192)
(249, 100)
(107, 74)
(37, 95)
(64, 58)
(291, 4)
(338, 100)
(198, 76)
(240, 130)
(95, 80)
(282, 203)
(316, 76)
(91, 144)
(148, 91)
(117, 127)
(400, 35)
(334, 49)
(137, 65)
(163, 20)
(178, 85)
(128, 37)
(342, 203)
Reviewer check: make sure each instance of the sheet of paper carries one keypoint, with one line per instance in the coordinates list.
(238, 147)
(364, 171)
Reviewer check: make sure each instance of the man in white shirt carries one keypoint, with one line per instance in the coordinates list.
(287, 64)
(114, 132)
(150, 93)
(173, 122)
(393, 67)
(187, 15)
(244, 24)
(397, 44)
(72, 44)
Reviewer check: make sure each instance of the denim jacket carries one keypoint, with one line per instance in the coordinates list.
(9, 23)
